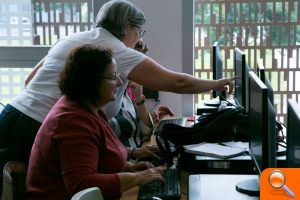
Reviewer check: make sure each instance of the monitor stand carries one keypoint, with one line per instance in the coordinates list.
(250, 187)
(222, 97)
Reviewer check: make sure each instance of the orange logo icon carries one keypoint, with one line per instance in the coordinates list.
(277, 180)
(279, 183)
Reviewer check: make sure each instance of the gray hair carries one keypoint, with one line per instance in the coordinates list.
(116, 14)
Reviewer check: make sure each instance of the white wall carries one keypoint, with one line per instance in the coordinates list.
(164, 39)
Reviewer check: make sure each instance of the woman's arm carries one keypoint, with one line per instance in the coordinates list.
(142, 110)
(145, 151)
(152, 75)
(33, 72)
(83, 174)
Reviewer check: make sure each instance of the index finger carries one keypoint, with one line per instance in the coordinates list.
(231, 85)
(234, 78)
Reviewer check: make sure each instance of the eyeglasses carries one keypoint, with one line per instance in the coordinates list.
(114, 78)
(141, 33)
(140, 30)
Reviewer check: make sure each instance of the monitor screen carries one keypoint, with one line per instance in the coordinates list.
(262, 125)
(264, 78)
(293, 134)
(262, 143)
(241, 70)
(217, 61)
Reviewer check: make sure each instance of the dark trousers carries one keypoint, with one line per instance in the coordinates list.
(17, 131)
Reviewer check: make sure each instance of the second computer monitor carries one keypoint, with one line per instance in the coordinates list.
(262, 143)
(293, 134)
(217, 66)
(241, 70)
(264, 78)
(262, 117)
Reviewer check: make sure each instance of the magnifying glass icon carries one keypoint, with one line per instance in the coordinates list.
(277, 180)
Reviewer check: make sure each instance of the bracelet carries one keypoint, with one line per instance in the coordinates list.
(140, 102)
(132, 152)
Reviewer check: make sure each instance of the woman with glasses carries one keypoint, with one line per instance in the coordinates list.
(118, 27)
(75, 148)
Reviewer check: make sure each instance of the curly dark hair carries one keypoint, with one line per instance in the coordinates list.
(81, 76)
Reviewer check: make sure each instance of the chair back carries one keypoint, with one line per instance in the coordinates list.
(14, 176)
(93, 193)
(6, 155)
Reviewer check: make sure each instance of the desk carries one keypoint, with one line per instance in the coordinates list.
(184, 176)
(216, 187)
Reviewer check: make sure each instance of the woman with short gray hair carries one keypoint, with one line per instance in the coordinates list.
(115, 16)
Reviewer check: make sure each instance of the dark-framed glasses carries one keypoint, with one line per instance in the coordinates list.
(114, 77)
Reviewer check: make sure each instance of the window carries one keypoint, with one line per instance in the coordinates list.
(2, 8)
(3, 32)
(58, 18)
(2, 19)
(14, 32)
(14, 20)
(26, 32)
(262, 29)
(25, 20)
(25, 8)
(13, 8)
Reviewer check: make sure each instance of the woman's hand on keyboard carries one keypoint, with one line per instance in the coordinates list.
(150, 151)
(149, 175)
(143, 165)
(139, 166)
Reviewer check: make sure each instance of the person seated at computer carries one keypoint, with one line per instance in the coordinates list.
(134, 123)
(75, 148)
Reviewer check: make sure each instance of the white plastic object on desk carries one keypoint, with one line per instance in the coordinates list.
(222, 106)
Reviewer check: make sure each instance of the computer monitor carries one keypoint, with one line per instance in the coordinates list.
(261, 73)
(217, 61)
(293, 134)
(262, 143)
(241, 70)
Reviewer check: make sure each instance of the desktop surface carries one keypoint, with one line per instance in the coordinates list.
(217, 186)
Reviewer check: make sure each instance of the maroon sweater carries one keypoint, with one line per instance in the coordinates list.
(73, 150)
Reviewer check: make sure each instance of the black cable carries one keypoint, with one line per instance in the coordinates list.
(281, 140)
(282, 135)
(281, 145)
(282, 124)
(2, 104)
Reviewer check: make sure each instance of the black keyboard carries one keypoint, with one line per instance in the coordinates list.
(170, 190)
(179, 121)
